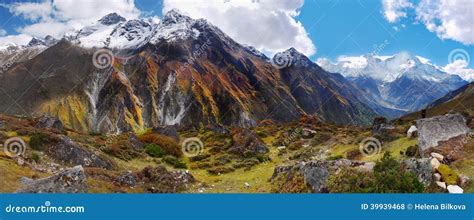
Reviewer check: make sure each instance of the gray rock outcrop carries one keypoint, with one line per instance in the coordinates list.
(71, 180)
(440, 128)
(66, 151)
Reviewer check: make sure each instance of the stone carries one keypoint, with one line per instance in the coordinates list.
(412, 132)
(50, 122)
(72, 180)
(464, 180)
(247, 185)
(219, 129)
(136, 144)
(168, 181)
(421, 168)
(168, 130)
(437, 156)
(455, 189)
(366, 167)
(440, 128)
(308, 133)
(247, 143)
(127, 179)
(437, 177)
(66, 151)
(435, 163)
(441, 184)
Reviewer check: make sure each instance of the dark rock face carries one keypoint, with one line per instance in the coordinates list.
(71, 180)
(421, 168)
(314, 173)
(441, 128)
(112, 18)
(160, 180)
(247, 143)
(66, 151)
(170, 131)
(50, 122)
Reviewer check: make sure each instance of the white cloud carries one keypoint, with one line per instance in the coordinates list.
(31, 10)
(449, 19)
(358, 62)
(268, 25)
(59, 16)
(393, 10)
(20, 39)
(3, 32)
(459, 67)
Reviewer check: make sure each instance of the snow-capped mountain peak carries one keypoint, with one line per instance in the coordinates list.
(174, 16)
(384, 68)
(111, 19)
(389, 79)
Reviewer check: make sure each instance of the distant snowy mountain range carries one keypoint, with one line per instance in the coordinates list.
(400, 83)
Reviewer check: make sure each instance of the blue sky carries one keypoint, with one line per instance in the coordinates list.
(334, 27)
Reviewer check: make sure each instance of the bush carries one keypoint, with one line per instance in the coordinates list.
(36, 157)
(350, 180)
(412, 151)
(390, 179)
(175, 162)
(387, 177)
(154, 150)
(168, 144)
(37, 141)
(449, 175)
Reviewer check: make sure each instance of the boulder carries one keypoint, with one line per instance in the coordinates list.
(455, 189)
(71, 180)
(126, 179)
(421, 168)
(437, 177)
(160, 180)
(136, 144)
(247, 143)
(381, 129)
(440, 128)
(66, 151)
(219, 129)
(435, 163)
(412, 132)
(437, 156)
(50, 122)
(168, 130)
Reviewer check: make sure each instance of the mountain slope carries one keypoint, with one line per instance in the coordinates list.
(179, 71)
(460, 100)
